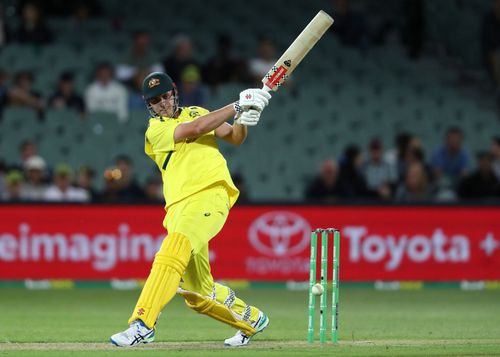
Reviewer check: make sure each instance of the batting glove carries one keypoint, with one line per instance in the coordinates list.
(249, 117)
(254, 98)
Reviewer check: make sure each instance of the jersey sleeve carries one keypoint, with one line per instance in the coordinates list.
(160, 137)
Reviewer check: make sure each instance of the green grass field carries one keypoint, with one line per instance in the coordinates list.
(79, 322)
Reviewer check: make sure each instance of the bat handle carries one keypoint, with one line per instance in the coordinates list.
(266, 88)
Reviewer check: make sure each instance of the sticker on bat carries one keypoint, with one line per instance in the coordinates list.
(276, 77)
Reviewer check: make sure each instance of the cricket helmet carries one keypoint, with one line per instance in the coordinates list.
(155, 84)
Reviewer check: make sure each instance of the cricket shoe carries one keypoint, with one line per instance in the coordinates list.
(136, 334)
(240, 339)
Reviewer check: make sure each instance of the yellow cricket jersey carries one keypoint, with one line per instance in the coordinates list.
(189, 166)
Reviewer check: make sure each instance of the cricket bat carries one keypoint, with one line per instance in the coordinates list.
(297, 51)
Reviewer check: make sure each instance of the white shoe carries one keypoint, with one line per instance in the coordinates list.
(136, 334)
(240, 339)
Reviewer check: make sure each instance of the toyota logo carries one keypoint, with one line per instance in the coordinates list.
(279, 233)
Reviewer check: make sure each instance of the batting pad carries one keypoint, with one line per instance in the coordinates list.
(207, 306)
(168, 266)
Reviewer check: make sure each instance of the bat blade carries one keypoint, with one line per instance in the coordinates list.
(297, 51)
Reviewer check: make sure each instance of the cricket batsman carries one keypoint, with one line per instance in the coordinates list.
(199, 193)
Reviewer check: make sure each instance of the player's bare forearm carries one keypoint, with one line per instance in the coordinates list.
(204, 124)
(240, 133)
(234, 134)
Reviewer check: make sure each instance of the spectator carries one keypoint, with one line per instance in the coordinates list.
(495, 152)
(239, 182)
(33, 29)
(62, 190)
(128, 188)
(351, 181)
(224, 67)
(14, 187)
(260, 65)
(111, 191)
(135, 100)
(324, 187)
(350, 26)
(378, 174)
(85, 181)
(23, 95)
(139, 57)
(181, 57)
(481, 183)
(416, 185)
(27, 149)
(153, 190)
(36, 172)
(65, 95)
(105, 94)
(415, 154)
(450, 162)
(3, 90)
(490, 41)
(119, 183)
(191, 91)
(396, 156)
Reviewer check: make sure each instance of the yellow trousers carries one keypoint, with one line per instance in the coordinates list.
(200, 217)
(191, 224)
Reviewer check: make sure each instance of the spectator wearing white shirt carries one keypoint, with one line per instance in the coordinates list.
(62, 190)
(378, 173)
(36, 173)
(105, 94)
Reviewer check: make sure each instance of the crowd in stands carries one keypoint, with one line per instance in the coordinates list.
(33, 180)
(401, 174)
(116, 87)
(404, 175)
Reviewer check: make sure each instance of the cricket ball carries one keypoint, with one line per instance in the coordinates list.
(317, 289)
